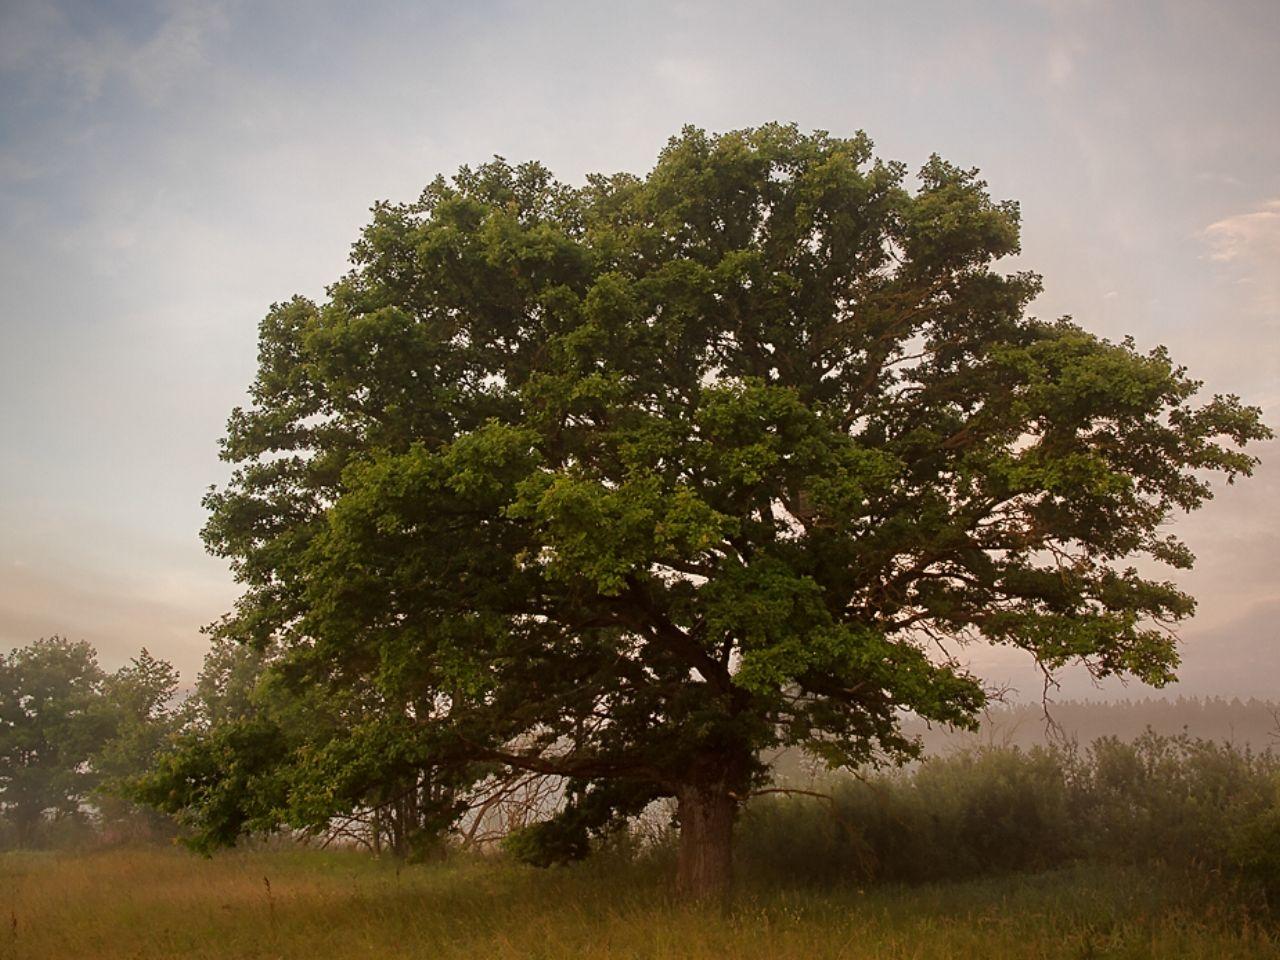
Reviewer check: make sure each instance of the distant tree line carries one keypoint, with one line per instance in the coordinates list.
(1250, 722)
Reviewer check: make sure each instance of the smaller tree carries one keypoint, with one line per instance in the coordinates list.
(72, 736)
(305, 755)
(52, 723)
(140, 699)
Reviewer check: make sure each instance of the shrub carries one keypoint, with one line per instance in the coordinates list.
(993, 810)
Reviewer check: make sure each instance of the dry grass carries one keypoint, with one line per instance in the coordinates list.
(167, 903)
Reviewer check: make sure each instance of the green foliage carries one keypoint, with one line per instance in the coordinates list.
(142, 698)
(592, 815)
(635, 481)
(1255, 849)
(1172, 797)
(548, 843)
(228, 779)
(258, 752)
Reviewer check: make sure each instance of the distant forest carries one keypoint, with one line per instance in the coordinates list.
(1248, 723)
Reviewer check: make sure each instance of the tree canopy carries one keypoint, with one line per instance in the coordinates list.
(631, 482)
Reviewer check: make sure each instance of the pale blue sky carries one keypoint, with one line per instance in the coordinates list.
(169, 169)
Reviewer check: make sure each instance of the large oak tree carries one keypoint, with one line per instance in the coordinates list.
(633, 482)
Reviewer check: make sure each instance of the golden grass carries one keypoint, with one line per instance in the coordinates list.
(142, 904)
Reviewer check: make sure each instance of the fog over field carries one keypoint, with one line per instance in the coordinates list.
(168, 170)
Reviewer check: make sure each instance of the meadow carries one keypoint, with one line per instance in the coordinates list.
(1164, 847)
(139, 904)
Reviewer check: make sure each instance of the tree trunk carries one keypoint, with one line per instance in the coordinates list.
(704, 867)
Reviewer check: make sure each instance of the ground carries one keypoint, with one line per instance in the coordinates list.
(143, 904)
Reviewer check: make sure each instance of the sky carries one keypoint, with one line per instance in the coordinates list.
(170, 169)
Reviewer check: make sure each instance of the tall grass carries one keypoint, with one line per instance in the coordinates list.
(987, 811)
(145, 904)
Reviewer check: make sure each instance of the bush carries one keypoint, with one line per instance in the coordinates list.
(1170, 799)
(1173, 800)
(1255, 851)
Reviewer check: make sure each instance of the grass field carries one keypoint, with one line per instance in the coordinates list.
(167, 903)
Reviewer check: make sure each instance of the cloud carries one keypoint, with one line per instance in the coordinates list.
(1248, 247)
(25, 30)
(41, 40)
(1246, 235)
(113, 614)
(1061, 65)
(15, 169)
(687, 75)
(1239, 657)
(1226, 179)
(177, 48)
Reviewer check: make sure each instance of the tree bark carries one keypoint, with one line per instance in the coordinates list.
(704, 865)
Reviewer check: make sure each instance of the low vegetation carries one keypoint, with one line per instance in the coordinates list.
(1160, 847)
(142, 904)
(1153, 802)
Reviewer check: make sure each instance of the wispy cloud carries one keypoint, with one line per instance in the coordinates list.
(691, 75)
(114, 613)
(1065, 50)
(178, 47)
(1249, 245)
(1246, 235)
(43, 41)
